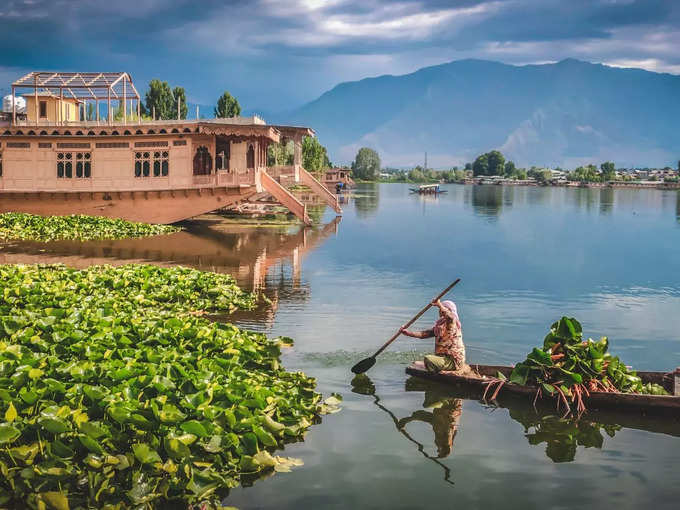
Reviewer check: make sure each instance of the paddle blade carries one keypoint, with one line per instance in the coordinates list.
(364, 365)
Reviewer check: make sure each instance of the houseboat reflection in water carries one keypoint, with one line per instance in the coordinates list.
(264, 259)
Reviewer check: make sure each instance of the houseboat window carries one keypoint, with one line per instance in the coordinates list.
(164, 169)
(250, 157)
(202, 161)
(0, 164)
(83, 165)
(144, 161)
(43, 109)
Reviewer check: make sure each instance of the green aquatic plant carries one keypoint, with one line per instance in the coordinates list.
(22, 226)
(562, 436)
(569, 368)
(115, 392)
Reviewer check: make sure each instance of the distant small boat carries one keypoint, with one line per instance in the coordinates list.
(428, 189)
(632, 402)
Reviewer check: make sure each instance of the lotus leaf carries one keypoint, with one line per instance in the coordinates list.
(78, 227)
(117, 391)
(566, 364)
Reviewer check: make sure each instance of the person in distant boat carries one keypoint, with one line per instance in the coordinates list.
(449, 350)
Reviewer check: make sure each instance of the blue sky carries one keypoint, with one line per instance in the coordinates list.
(275, 55)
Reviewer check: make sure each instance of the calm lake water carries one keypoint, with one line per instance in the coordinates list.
(526, 256)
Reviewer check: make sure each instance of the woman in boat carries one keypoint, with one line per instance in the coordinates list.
(449, 350)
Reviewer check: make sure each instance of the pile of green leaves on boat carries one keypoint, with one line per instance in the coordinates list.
(569, 368)
(116, 392)
(31, 227)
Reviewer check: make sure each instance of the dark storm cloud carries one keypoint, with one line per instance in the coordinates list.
(276, 53)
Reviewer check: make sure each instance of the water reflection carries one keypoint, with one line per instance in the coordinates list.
(266, 259)
(367, 199)
(561, 436)
(606, 200)
(444, 420)
(677, 206)
(487, 200)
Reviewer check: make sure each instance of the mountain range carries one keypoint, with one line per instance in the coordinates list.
(561, 114)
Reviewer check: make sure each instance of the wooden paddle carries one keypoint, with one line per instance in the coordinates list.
(365, 364)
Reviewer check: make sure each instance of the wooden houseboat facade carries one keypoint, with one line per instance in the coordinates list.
(53, 162)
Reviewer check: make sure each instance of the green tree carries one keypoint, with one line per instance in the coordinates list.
(227, 106)
(468, 166)
(366, 165)
(416, 175)
(608, 171)
(90, 113)
(180, 96)
(510, 170)
(314, 155)
(496, 163)
(280, 154)
(159, 99)
(481, 165)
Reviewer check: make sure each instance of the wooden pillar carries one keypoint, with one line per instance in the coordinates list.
(124, 102)
(35, 96)
(197, 115)
(178, 104)
(139, 111)
(14, 106)
(61, 106)
(97, 107)
(108, 109)
(153, 113)
(297, 152)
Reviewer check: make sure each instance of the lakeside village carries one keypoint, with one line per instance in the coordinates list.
(493, 168)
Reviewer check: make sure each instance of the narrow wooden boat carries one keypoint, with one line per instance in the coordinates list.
(633, 402)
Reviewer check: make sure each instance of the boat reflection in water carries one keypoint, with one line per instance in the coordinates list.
(443, 407)
(262, 259)
(562, 436)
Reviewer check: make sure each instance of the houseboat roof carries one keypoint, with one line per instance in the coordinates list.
(89, 85)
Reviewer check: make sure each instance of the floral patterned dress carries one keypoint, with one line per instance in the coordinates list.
(449, 340)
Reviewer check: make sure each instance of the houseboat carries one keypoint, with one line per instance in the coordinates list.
(338, 179)
(57, 160)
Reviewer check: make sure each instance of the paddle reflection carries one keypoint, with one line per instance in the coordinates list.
(444, 420)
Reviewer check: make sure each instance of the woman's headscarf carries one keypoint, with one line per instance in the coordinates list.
(451, 306)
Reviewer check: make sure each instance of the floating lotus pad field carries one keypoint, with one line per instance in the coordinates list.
(21, 226)
(114, 391)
